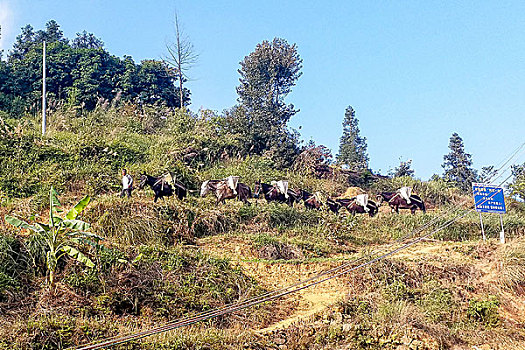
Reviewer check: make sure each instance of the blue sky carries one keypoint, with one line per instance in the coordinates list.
(414, 71)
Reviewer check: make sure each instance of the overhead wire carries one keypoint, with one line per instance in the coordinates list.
(317, 279)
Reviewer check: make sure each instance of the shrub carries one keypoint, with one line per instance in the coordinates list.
(61, 234)
(282, 216)
(397, 291)
(484, 311)
(437, 304)
(13, 263)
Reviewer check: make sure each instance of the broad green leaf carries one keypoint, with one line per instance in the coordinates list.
(57, 220)
(90, 235)
(78, 255)
(19, 223)
(138, 258)
(81, 240)
(87, 236)
(73, 213)
(42, 228)
(77, 225)
(53, 198)
(54, 205)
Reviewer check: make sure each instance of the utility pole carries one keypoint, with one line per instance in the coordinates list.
(44, 89)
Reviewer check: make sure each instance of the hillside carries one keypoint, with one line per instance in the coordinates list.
(159, 262)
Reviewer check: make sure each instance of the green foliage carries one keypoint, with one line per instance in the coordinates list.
(313, 161)
(517, 186)
(437, 303)
(247, 213)
(60, 234)
(458, 165)
(267, 77)
(13, 263)
(352, 147)
(51, 332)
(193, 281)
(265, 239)
(484, 311)
(397, 291)
(283, 216)
(81, 73)
(403, 169)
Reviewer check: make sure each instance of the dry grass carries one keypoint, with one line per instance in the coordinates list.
(513, 266)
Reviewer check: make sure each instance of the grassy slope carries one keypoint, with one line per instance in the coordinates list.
(176, 258)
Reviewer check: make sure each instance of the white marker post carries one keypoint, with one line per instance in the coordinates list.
(44, 89)
(502, 233)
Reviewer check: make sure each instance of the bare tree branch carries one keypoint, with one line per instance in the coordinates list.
(181, 56)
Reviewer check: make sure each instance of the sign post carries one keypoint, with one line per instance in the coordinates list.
(482, 228)
(489, 199)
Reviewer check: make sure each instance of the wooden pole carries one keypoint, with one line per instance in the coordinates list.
(44, 89)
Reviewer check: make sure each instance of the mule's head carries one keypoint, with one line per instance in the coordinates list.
(333, 205)
(373, 208)
(379, 198)
(257, 189)
(205, 188)
(143, 181)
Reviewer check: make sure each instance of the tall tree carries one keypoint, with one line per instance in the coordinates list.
(23, 43)
(52, 34)
(1, 50)
(87, 40)
(352, 147)
(403, 169)
(181, 56)
(517, 186)
(81, 72)
(487, 173)
(267, 77)
(458, 165)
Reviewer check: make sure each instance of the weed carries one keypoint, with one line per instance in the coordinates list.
(437, 303)
(513, 266)
(397, 291)
(484, 311)
(13, 263)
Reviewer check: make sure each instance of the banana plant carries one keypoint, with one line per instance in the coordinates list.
(61, 233)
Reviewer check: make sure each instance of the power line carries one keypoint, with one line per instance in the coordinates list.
(313, 281)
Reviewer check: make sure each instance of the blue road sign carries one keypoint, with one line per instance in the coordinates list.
(488, 198)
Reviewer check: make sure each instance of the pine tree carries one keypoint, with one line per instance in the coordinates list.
(404, 169)
(517, 186)
(458, 165)
(267, 77)
(352, 147)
